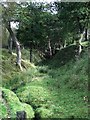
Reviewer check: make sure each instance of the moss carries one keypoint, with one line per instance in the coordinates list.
(3, 110)
(43, 113)
(58, 86)
(15, 105)
(34, 95)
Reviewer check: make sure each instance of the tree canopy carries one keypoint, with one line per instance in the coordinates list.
(48, 27)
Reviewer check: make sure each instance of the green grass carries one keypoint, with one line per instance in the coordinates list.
(12, 105)
(3, 110)
(55, 90)
(12, 77)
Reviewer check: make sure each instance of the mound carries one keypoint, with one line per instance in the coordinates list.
(34, 95)
(10, 104)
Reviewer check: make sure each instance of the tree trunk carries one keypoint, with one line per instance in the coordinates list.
(30, 51)
(50, 49)
(80, 40)
(64, 43)
(10, 42)
(18, 50)
(86, 34)
(30, 54)
(82, 32)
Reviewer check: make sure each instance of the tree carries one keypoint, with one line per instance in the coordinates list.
(39, 24)
(75, 17)
(9, 16)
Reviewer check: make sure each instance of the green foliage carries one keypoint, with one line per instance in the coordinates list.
(58, 88)
(64, 56)
(3, 110)
(43, 113)
(62, 90)
(11, 76)
(57, 91)
(13, 105)
(43, 69)
(36, 96)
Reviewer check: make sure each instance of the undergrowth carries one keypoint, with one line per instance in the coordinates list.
(55, 90)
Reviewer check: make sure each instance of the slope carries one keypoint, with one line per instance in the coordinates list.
(60, 88)
(54, 90)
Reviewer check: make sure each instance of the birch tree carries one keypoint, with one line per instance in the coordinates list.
(8, 16)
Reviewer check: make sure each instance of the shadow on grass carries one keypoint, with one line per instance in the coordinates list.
(62, 57)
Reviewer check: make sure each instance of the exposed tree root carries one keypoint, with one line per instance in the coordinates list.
(24, 62)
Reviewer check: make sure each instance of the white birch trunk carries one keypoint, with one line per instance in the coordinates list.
(50, 49)
(80, 40)
(10, 43)
(18, 50)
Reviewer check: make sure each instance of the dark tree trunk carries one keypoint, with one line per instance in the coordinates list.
(31, 51)
(86, 34)
(30, 54)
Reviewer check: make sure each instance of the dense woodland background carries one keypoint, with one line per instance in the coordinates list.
(45, 59)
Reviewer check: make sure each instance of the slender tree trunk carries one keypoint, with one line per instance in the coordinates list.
(30, 54)
(30, 51)
(65, 44)
(50, 49)
(10, 43)
(82, 32)
(86, 35)
(80, 40)
(18, 50)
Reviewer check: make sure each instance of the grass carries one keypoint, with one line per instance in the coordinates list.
(12, 104)
(3, 110)
(55, 90)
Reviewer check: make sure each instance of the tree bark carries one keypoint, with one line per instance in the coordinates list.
(10, 43)
(18, 50)
(64, 43)
(30, 54)
(82, 33)
(86, 35)
(80, 40)
(50, 49)
(31, 51)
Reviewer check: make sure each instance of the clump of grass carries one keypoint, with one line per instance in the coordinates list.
(19, 79)
(3, 110)
(43, 69)
(43, 113)
(34, 95)
(11, 74)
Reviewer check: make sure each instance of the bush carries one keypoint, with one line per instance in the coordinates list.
(43, 113)
(34, 95)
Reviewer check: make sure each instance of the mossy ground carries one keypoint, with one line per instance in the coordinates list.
(11, 104)
(54, 90)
